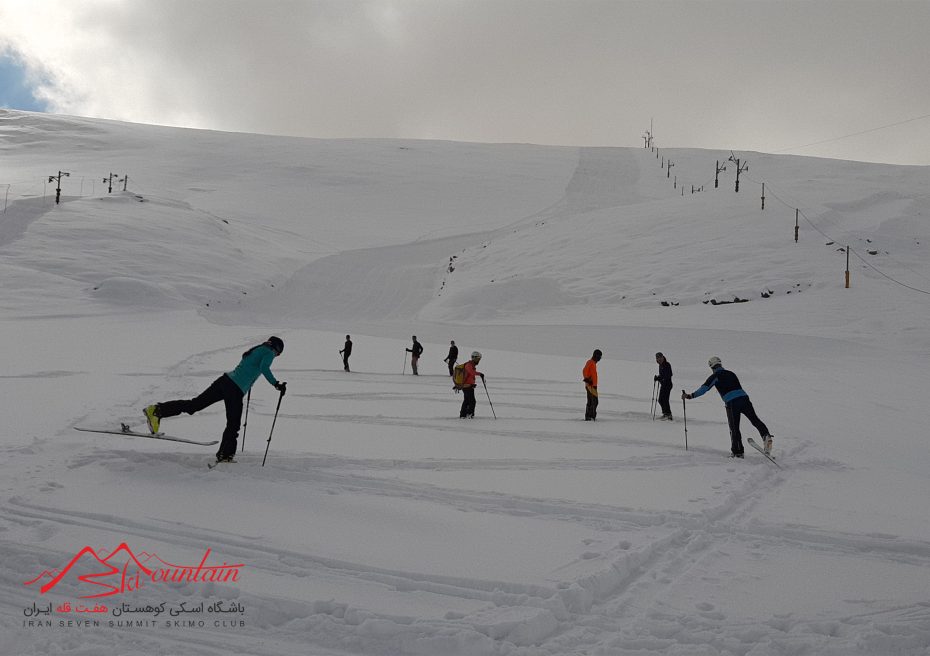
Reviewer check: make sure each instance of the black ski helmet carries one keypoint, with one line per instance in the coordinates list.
(276, 343)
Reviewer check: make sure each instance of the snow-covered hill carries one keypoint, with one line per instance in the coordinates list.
(383, 524)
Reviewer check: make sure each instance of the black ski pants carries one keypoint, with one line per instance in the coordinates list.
(345, 361)
(468, 403)
(590, 409)
(665, 390)
(735, 408)
(222, 389)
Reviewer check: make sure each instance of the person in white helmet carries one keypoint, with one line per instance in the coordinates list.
(737, 403)
(469, 384)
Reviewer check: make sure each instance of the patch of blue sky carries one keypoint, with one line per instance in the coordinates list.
(16, 92)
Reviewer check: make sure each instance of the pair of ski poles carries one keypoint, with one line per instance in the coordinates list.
(655, 389)
(245, 424)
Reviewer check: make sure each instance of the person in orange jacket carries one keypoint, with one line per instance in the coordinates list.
(469, 384)
(589, 376)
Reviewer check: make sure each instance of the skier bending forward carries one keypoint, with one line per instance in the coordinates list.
(737, 403)
(229, 388)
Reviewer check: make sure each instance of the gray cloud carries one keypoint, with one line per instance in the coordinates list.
(745, 75)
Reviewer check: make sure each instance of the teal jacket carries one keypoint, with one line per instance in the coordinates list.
(254, 363)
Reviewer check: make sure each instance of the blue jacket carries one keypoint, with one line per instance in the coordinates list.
(727, 385)
(255, 362)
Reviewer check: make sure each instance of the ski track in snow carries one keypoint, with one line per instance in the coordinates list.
(624, 604)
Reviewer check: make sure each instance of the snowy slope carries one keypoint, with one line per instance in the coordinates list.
(383, 524)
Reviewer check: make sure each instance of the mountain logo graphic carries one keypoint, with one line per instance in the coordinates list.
(123, 571)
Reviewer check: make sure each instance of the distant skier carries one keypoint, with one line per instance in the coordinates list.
(416, 351)
(229, 388)
(664, 378)
(346, 352)
(737, 403)
(452, 358)
(469, 384)
(589, 376)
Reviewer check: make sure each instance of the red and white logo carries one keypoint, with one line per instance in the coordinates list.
(123, 571)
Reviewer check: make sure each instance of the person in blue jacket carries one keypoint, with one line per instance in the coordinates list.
(230, 388)
(737, 403)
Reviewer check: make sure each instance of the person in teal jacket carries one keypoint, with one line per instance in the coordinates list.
(230, 388)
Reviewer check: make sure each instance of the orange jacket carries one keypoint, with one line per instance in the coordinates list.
(471, 369)
(590, 372)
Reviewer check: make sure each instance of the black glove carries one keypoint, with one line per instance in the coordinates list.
(281, 387)
(655, 378)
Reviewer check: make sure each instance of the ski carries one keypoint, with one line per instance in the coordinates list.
(125, 430)
(215, 464)
(758, 448)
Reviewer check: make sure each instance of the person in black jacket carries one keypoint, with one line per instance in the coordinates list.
(737, 403)
(416, 351)
(452, 358)
(664, 378)
(346, 352)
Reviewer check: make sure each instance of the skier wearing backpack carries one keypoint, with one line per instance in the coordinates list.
(468, 385)
(737, 403)
(589, 376)
(229, 388)
(664, 378)
(416, 351)
(452, 358)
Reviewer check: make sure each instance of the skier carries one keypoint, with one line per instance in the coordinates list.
(416, 351)
(737, 403)
(452, 358)
(589, 376)
(468, 386)
(346, 352)
(664, 379)
(229, 388)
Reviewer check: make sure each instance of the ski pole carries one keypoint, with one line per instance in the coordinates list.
(273, 421)
(404, 372)
(655, 386)
(245, 424)
(684, 412)
(489, 397)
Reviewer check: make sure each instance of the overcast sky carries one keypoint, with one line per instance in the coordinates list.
(830, 78)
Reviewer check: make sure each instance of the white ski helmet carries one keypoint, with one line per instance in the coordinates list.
(714, 362)
(475, 355)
